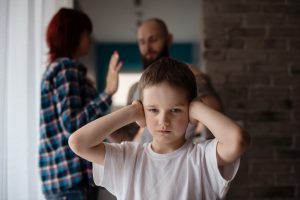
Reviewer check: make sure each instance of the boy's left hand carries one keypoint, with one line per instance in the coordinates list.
(140, 119)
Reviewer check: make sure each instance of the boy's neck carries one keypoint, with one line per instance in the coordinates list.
(166, 148)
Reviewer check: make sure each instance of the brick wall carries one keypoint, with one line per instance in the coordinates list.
(252, 53)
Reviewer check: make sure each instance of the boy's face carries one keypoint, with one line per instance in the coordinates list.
(167, 113)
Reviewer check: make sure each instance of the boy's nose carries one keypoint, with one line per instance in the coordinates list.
(164, 121)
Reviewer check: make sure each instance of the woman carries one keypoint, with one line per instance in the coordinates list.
(68, 101)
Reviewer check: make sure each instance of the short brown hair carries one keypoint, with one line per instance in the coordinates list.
(171, 71)
(64, 32)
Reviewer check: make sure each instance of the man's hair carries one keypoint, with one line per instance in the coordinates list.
(64, 32)
(162, 25)
(172, 72)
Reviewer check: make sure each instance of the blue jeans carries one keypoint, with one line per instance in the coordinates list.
(88, 193)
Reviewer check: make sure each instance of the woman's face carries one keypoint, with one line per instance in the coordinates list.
(84, 45)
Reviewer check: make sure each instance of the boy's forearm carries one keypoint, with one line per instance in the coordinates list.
(212, 119)
(95, 132)
(223, 128)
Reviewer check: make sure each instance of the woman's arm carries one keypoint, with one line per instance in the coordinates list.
(72, 108)
(232, 139)
(87, 142)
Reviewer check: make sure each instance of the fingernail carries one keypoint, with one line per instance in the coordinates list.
(121, 62)
(115, 52)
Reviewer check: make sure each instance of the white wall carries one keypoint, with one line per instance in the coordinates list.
(115, 20)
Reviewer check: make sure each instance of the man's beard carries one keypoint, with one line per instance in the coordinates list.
(163, 53)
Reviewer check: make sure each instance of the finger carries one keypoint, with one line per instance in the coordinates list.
(119, 66)
(114, 59)
(136, 102)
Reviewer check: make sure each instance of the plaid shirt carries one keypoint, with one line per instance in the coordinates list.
(68, 101)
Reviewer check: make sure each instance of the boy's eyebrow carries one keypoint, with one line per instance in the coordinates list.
(154, 105)
(150, 105)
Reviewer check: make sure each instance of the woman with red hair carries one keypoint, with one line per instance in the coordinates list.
(68, 101)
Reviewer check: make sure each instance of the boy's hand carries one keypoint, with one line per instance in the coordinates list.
(112, 77)
(140, 115)
(192, 111)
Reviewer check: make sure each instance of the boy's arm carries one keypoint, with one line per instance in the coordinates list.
(87, 142)
(232, 139)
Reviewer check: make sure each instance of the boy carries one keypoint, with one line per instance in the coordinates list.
(170, 167)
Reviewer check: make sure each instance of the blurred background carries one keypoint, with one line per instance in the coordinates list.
(250, 49)
(115, 25)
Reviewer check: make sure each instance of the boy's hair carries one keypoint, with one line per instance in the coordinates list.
(171, 71)
(64, 32)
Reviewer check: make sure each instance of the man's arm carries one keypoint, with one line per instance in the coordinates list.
(232, 139)
(87, 142)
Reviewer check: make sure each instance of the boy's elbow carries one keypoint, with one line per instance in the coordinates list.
(74, 144)
(242, 142)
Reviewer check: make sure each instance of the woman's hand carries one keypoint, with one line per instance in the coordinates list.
(140, 115)
(112, 77)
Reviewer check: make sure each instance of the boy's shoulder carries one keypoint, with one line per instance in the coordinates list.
(202, 146)
(126, 146)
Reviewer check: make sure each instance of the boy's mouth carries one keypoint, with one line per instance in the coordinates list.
(164, 131)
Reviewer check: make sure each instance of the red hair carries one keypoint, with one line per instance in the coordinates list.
(64, 32)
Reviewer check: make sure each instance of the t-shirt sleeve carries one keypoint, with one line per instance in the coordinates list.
(118, 159)
(109, 174)
(97, 173)
(219, 178)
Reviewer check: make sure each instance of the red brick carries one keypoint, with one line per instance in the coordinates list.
(261, 20)
(224, 66)
(269, 116)
(284, 32)
(246, 32)
(264, 167)
(285, 80)
(266, 44)
(215, 55)
(247, 56)
(281, 9)
(248, 79)
(224, 20)
(238, 8)
(223, 44)
(267, 68)
(273, 192)
(272, 141)
(269, 92)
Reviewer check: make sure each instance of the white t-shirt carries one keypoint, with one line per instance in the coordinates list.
(134, 171)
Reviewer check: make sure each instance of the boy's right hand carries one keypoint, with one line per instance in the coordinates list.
(192, 111)
(140, 115)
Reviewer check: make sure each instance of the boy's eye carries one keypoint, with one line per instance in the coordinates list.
(175, 110)
(153, 110)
